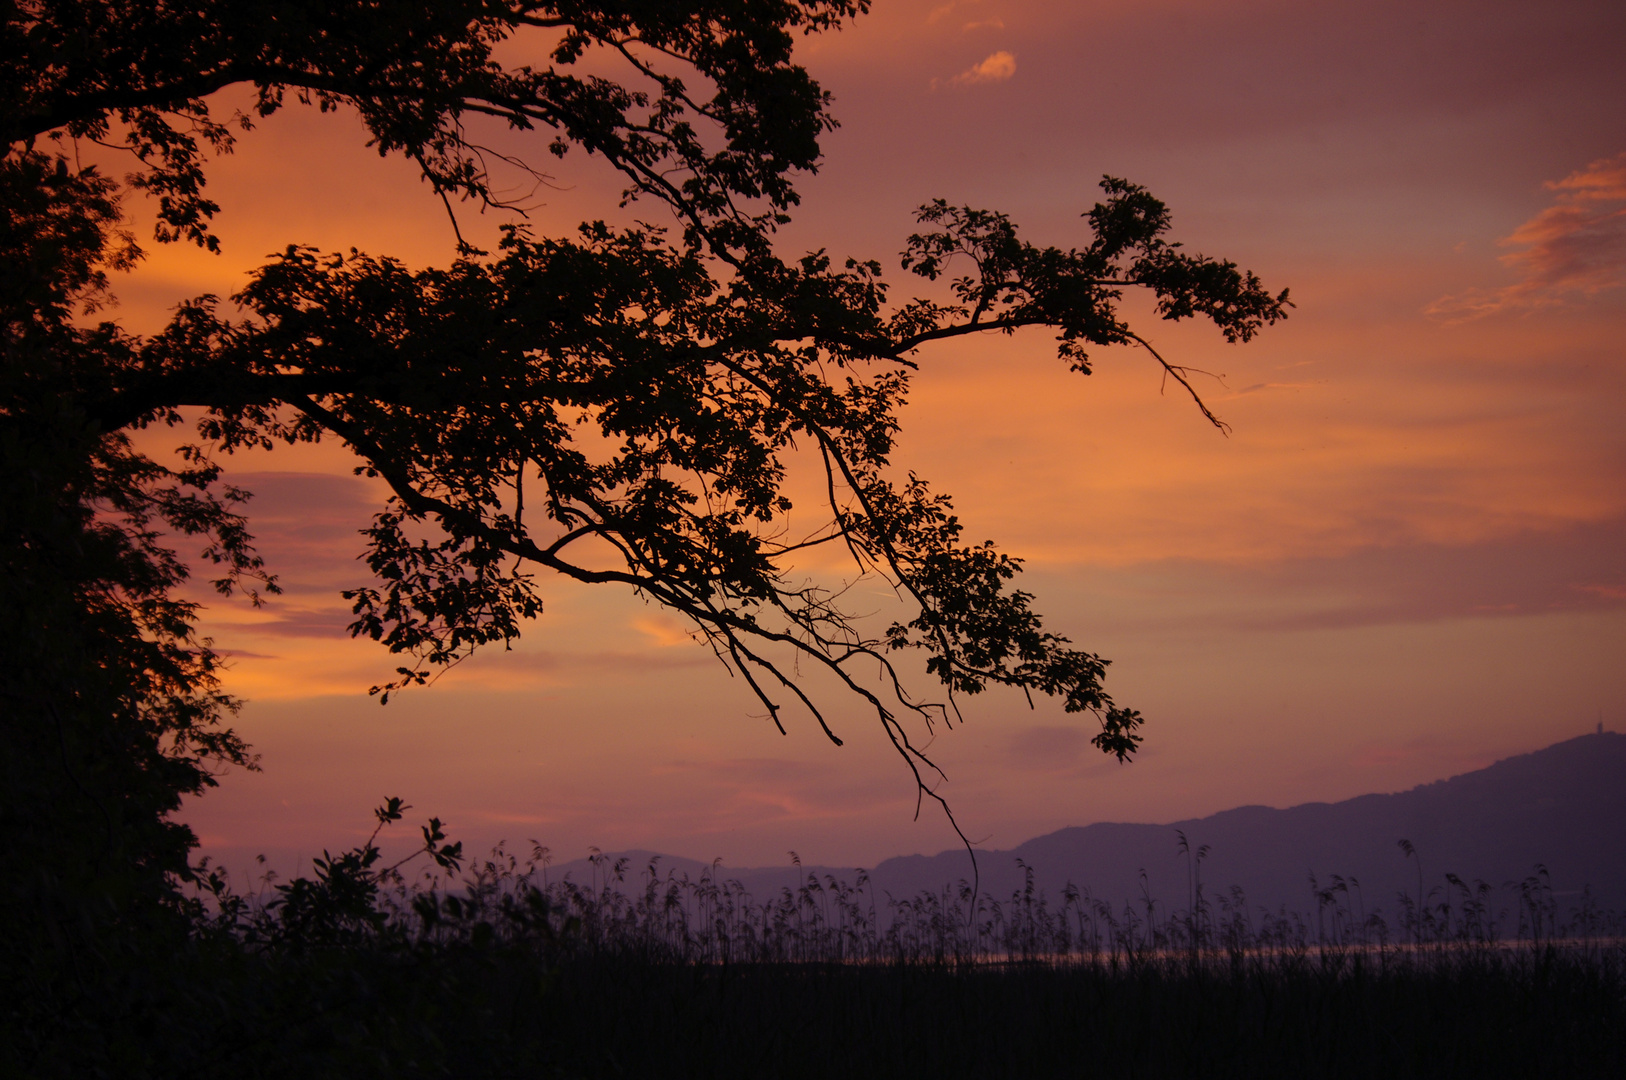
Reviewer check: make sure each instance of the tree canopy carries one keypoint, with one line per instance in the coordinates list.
(619, 406)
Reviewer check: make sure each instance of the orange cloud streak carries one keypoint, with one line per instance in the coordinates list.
(1576, 246)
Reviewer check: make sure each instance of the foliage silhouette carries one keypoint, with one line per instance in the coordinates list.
(620, 406)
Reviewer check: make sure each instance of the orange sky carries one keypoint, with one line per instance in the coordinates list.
(1406, 561)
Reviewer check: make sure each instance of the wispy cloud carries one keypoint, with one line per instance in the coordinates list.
(664, 632)
(942, 11)
(1577, 246)
(996, 68)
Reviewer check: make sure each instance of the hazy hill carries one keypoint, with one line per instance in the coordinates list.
(1563, 807)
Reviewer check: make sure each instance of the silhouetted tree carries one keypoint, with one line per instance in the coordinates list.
(618, 406)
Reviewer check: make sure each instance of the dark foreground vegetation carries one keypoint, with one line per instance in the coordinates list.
(358, 973)
(503, 1010)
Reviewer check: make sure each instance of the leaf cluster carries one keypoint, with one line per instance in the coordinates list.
(423, 76)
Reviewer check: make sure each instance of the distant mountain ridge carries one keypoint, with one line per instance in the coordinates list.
(1563, 807)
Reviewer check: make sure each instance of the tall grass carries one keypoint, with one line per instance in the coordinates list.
(503, 970)
(709, 918)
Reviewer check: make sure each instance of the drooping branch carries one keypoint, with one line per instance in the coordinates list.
(714, 390)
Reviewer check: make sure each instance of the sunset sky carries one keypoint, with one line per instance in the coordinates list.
(1407, 560)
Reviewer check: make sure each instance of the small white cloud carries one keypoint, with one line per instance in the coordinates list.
(1577, 246)
(997, 68)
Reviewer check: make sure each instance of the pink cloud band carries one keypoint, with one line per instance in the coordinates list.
(1577, 246)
